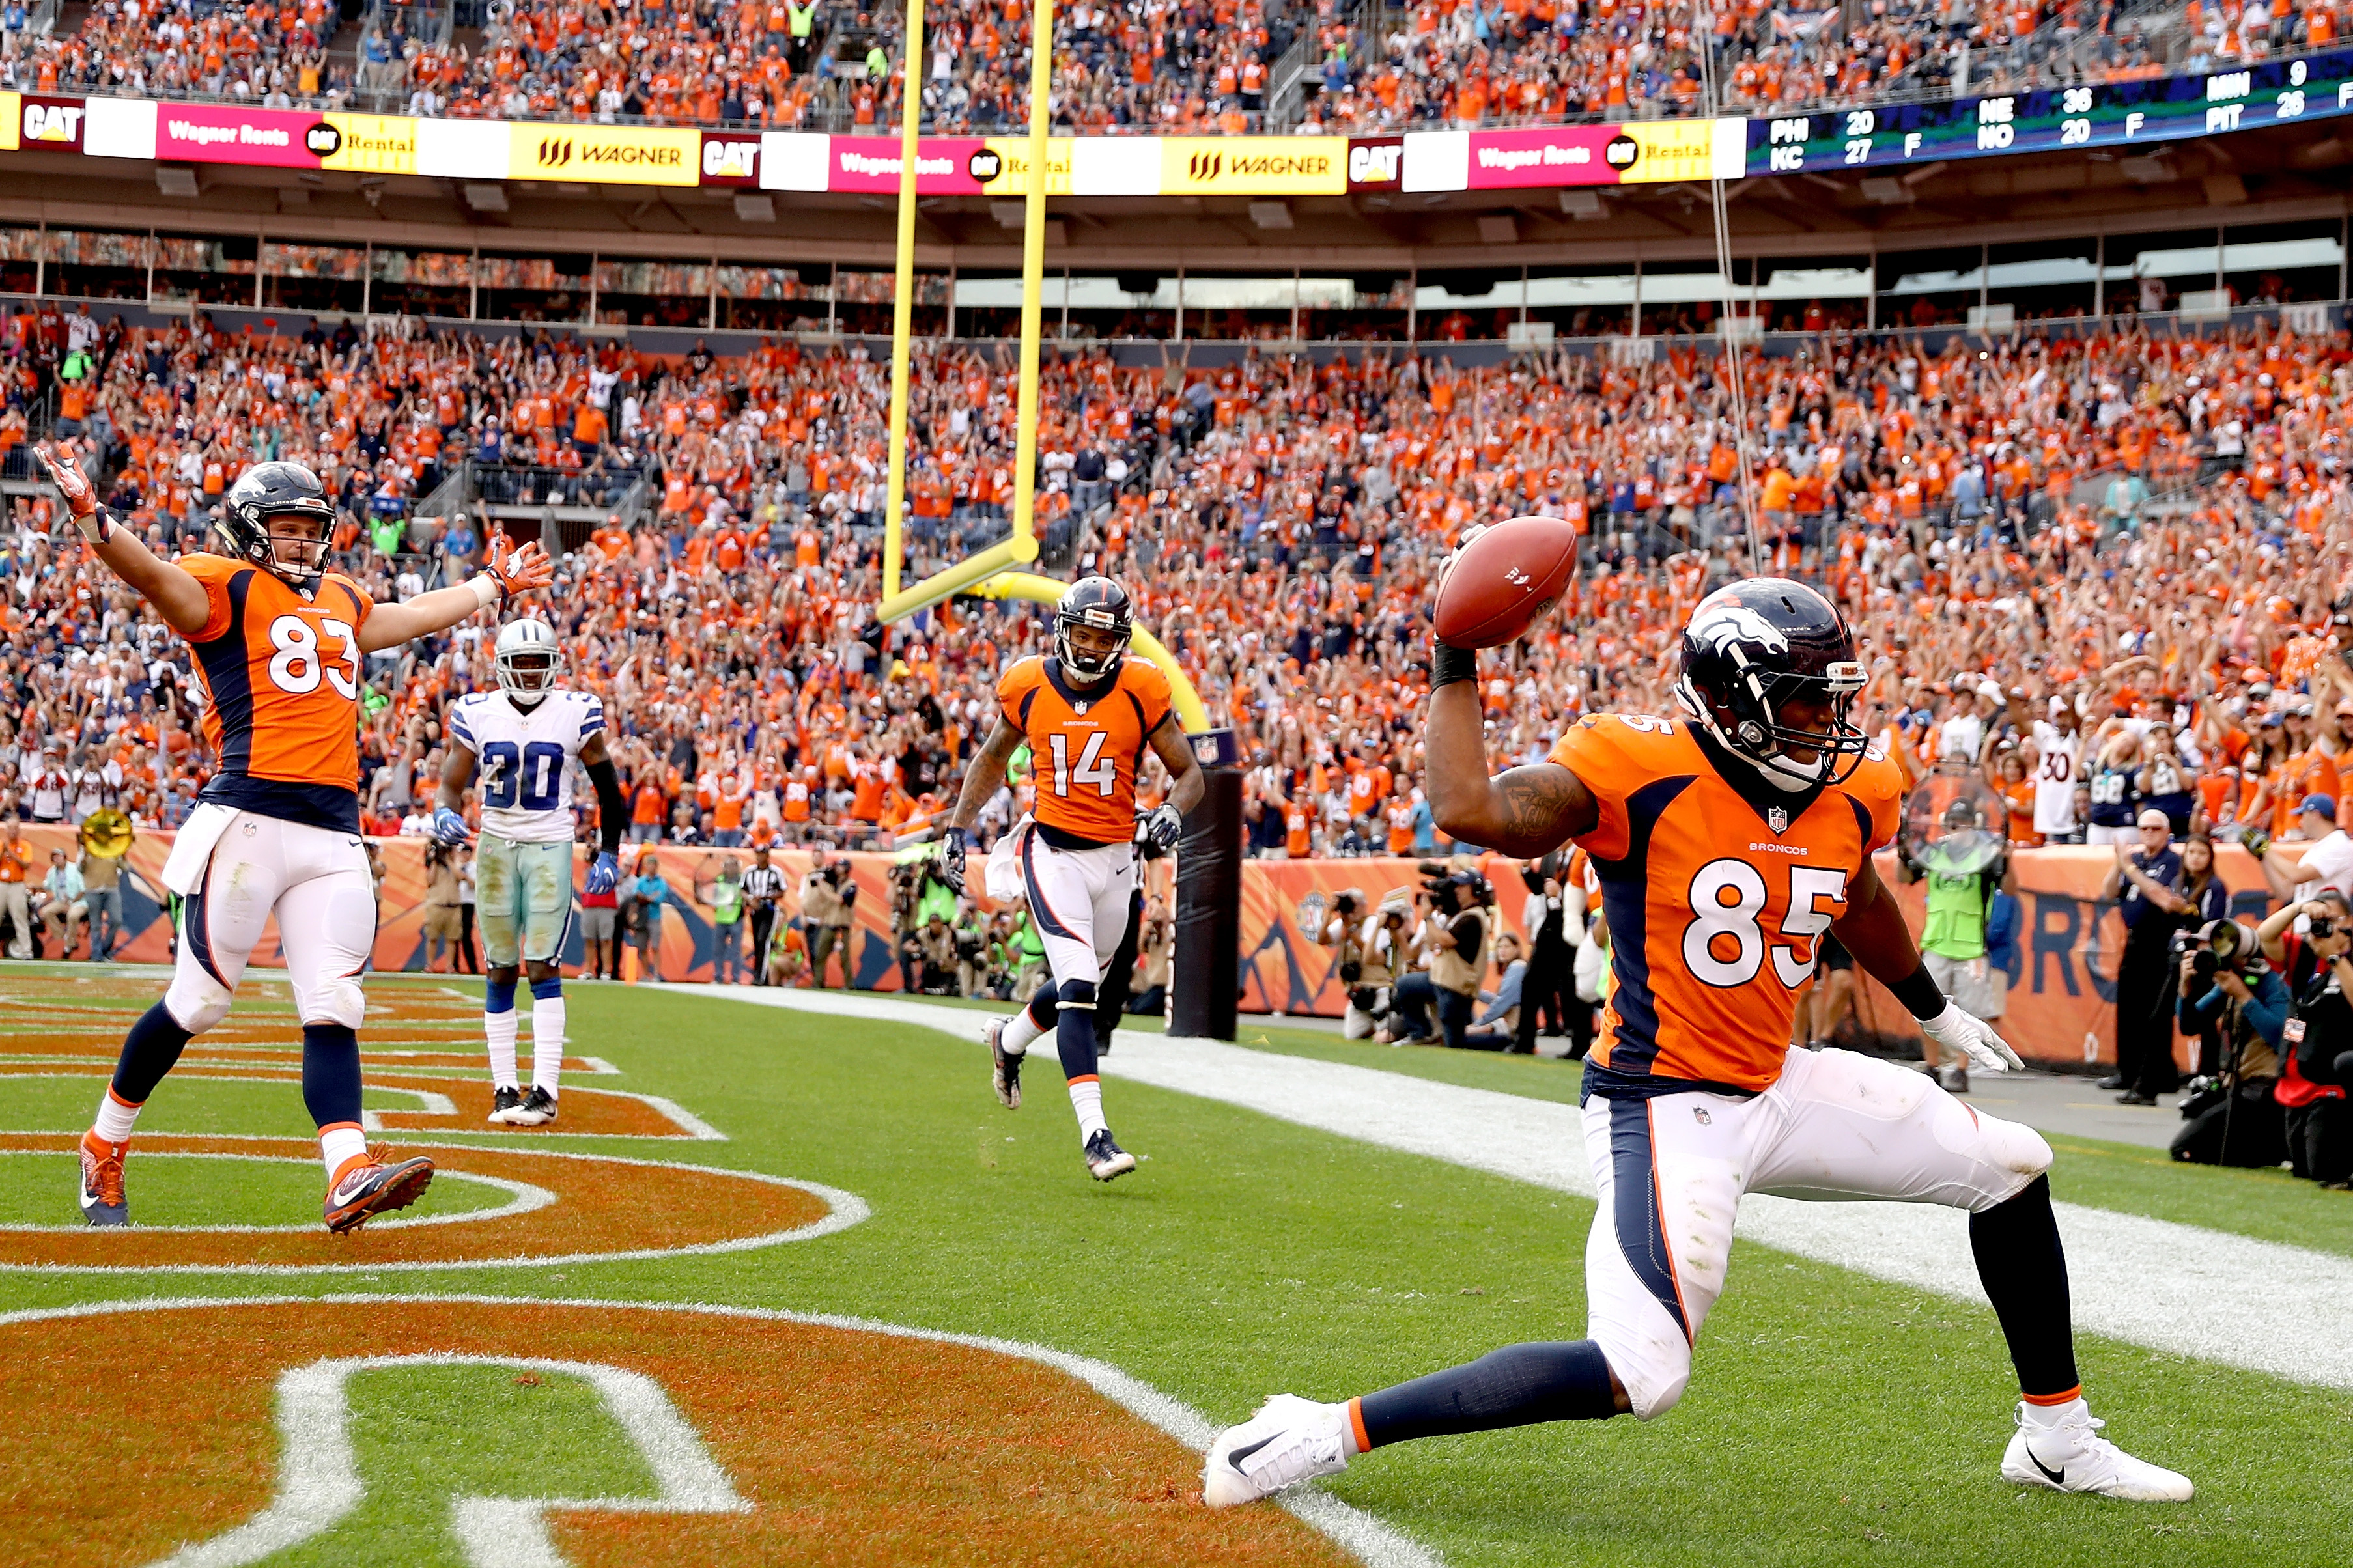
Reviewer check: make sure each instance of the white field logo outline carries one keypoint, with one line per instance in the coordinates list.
(319, 1484)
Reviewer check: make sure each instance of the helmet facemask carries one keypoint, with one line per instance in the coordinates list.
(1086, 669)
(529, 663)
(1748, 724)
(297, 558)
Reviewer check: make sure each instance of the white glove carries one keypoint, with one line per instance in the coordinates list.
(1973, 1037)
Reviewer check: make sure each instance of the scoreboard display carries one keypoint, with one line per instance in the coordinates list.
(2120, 115)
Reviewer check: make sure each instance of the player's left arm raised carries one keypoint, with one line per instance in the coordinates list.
(505, 578)
(1874, 930)
(1521, 812)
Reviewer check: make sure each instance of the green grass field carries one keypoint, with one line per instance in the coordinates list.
(1832, 1418)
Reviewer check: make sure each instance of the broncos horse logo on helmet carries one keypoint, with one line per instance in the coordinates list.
(1104, 606)
(1752, 648)
(269, 491)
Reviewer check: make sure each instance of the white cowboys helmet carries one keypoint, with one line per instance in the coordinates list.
(529, 659)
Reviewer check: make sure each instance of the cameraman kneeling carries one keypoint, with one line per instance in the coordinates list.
(2228, 988)
(2316, 1044)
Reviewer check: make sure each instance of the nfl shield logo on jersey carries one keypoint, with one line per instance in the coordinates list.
(1776, 819)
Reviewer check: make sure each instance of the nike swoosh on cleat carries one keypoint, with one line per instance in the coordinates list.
(1235, 1457)
(2057, 1477)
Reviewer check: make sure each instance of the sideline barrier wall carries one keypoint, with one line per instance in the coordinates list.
(2061, 1013)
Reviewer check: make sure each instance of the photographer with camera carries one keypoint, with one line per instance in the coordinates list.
(971, 951)
(2312, 944)
(828, 896)
(1456, 933)
(1368, 950)
(2229, 990)
(1961, 883)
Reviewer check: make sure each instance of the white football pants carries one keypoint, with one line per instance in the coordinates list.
(1080, 900)
(1670, 1172)
(316, 881)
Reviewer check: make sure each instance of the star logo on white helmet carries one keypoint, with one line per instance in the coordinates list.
(1725, 624)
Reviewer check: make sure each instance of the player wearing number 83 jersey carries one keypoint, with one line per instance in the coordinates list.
(278, 643)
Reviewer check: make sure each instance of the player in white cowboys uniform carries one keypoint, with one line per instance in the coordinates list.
(521, 740)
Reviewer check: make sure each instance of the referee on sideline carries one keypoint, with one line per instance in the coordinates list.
(763, 887)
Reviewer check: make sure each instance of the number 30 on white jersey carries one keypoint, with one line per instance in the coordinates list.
(524, 760)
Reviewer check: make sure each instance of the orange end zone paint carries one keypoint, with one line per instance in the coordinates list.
(604, 1208)
(851, 1445)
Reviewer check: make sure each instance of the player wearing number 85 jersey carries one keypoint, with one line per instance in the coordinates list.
(1087, 713)
(521, 740)
(1727, 843)
(278, 643)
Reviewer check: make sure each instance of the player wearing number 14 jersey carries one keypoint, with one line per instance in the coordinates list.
(1727, 843)
(1087, 713)
(278, 643)
(519, 742)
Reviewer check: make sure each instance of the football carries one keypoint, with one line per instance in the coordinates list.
(1502, 578)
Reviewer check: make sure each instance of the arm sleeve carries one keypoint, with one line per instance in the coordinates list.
(611, 811)
(214, 571)
(1011, 688)
(1155, 695)
(461, 727)
(2267, 1012)
(1594, 750)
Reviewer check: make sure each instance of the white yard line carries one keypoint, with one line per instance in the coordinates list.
(2176, 1287)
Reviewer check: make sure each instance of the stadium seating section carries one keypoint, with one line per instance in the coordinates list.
(2024, 514)
(1140, 67)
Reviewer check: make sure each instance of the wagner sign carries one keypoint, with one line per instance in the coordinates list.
(606, 155)
(1254, 167)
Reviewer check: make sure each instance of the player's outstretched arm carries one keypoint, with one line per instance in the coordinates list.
(506, 577)
(177, 596)
(1522, 813)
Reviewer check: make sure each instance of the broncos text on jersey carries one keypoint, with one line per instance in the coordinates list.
(1086, 742)
(1716, 898)
(524, 759)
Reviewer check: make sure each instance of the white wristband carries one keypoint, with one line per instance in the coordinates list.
(486, 588)
(98, 528)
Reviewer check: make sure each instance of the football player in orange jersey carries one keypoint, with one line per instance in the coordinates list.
(1727, 845)
(1087, 712)
(279, 644)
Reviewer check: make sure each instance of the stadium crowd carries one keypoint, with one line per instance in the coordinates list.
(1166, 67)
(2131, 551)
(2154, 523)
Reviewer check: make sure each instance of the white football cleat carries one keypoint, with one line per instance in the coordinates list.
(2068, 1454)
(1290, 1439)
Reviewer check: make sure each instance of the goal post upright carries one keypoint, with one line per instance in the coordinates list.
(903, 304)
(899, 603)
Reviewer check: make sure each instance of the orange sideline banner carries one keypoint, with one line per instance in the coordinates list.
(2062, 998)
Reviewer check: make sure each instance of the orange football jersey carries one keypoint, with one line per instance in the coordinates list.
(1715, 897)
(1085, 743)
(282, 681)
